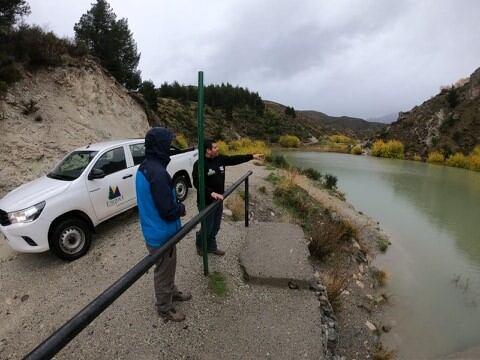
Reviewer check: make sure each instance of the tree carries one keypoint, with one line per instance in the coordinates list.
(10, 11)
(111, 41)
(147, 89)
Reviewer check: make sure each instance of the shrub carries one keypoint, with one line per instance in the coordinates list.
(452, 97)
(289, 141)
(356, 150)
(341, 139)
(243, 146)
(3, 87)
(474, 159)
(327, 237)
(335, 284)
(279, 161)
(435, 157)
(10, 73)
(312, 174)
(181, 141)
(330, 181)
(37, 47)
(457, 160)
(392, 149)
(262, 189)
(237, 206)
(383, 244)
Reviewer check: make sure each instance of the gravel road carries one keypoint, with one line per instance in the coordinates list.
(38, 293)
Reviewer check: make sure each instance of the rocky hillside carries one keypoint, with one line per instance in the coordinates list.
(181, 116)
(448, 122)
(353, 127)
(54, 110)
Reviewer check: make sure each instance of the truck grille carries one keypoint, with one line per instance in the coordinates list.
(4, 221)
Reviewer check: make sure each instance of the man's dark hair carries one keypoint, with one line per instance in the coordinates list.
(208, 143)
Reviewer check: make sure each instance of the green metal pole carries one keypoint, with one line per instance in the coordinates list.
(201, 168)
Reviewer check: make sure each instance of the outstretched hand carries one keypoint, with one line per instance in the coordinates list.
(216, 196)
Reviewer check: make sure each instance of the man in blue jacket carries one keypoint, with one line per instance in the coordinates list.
(160, 218)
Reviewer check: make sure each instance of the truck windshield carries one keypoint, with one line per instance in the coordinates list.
(72, 166)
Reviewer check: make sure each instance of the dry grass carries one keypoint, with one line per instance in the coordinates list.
(379, 277)
(335, 283)
(237, 206)
(328, 236)
(384, 354)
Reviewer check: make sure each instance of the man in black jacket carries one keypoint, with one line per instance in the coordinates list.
(214, 187)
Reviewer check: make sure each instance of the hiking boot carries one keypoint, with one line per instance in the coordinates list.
(217, 252)
(182, 296)
(172, 315)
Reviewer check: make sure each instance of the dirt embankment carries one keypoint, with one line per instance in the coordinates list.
(55, 110)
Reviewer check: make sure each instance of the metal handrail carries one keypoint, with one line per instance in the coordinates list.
(52, 345)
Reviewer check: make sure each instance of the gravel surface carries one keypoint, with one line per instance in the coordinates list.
(38, 293)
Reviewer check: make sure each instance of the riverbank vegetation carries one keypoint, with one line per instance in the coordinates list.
(343, 262)
(289, 141)
(470, 161)
(393, 149)
(243, 146)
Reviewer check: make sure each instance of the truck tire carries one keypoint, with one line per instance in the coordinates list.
(70, 239)
(180, 184)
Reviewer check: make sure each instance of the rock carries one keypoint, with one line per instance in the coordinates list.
(386, 328)
(345, 292)
(355, 244)
(370, 326)
(24, 297)
(360, 284)
(272, 213)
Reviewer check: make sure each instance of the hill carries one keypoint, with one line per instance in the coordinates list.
(448, 122)
(275, 121)
(53, 110)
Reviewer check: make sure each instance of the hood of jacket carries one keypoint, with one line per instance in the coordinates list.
(157, 144)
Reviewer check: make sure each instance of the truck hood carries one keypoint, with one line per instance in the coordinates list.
(32, 193)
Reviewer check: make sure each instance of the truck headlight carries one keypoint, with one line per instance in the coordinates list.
(26, 215)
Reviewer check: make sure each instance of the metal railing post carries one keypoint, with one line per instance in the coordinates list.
(247, 201)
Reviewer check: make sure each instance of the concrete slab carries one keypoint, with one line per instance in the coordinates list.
(276, 254)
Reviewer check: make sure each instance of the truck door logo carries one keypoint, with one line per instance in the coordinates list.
(113, 193)
(114, 196)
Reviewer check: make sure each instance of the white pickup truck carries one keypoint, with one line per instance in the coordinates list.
(91, 184)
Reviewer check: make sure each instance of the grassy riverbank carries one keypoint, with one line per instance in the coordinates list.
(342, 243)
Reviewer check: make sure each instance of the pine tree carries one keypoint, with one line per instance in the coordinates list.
(10, 11)
(111, 41)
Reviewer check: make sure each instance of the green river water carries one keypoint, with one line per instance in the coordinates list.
(432, 215)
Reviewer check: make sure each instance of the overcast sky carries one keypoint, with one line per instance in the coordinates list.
(362, 58)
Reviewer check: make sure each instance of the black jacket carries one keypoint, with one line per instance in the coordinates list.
(215, 173)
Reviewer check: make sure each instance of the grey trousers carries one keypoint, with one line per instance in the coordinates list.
(164, 279)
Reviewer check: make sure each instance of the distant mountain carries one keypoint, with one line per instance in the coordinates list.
(386, 119)
(354, 127)
(448, 122)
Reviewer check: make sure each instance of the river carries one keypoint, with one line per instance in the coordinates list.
(432, 214)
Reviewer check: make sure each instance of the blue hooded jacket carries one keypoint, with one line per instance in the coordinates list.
(157, 206)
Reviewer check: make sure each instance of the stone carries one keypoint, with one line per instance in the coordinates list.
(370, 326)
(360, 284)
(227, 212)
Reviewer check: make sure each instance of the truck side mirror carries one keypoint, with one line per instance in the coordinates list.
(96, 174)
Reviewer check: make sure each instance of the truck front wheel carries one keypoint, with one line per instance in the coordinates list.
(180, 184)
(70, 239)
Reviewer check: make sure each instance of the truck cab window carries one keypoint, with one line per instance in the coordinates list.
(112, 161)
(138, 153)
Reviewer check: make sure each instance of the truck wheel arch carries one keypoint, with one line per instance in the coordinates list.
(71, 214)
(183, 173)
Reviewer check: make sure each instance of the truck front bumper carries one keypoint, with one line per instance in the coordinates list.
(27, 237)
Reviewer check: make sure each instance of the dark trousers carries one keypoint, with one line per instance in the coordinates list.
(164, 278)
(212, 223)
